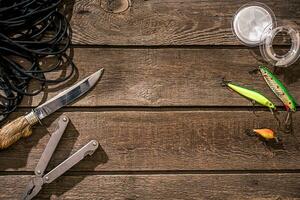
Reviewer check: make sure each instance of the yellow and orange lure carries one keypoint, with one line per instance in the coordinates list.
(264, 133)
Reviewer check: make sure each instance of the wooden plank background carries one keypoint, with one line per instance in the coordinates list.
(187, 186)
(169, 77)
(155, 140)
(167, 22)
(167, 128)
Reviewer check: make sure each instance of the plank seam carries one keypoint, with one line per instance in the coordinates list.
(163, 172)
(158, 108)
(221, 46)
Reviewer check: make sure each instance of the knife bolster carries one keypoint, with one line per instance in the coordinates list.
(32, 118)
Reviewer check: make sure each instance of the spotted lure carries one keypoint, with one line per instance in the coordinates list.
(279, 89)
(254, 96)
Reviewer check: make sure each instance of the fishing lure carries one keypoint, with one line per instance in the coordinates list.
(282, 93)
(266, 134)
(279, 89)
(251, 95)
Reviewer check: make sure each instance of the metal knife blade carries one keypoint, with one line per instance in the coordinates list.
(21, 126)
(68, 96)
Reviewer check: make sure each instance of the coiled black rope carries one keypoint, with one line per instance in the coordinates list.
(31, 31)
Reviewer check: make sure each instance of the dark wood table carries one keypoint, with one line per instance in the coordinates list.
(166, 127)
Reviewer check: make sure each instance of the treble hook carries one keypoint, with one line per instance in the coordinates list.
(288, 122)
(254, 71)
(253, 108)
(275, 113)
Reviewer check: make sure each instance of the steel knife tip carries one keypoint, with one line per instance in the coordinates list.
(99, 72)
(97, 75)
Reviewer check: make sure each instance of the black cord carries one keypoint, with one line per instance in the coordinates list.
(30, 32)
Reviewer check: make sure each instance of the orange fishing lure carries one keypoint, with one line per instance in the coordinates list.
(263, 133)
(267, 134)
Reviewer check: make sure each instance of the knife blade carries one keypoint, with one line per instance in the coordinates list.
(21, 127)
(68, 96)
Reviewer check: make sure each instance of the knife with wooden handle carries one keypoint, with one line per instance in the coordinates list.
(21, 127)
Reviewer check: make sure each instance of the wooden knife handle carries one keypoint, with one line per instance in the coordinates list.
(16, 129)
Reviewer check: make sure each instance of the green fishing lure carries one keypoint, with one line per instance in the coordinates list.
(279, 89)
(251, 95)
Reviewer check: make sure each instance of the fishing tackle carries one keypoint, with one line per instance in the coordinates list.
(268, 137)
(279, 89)
(31, 32)
(266, 134)
(281, 92)
(254, 96)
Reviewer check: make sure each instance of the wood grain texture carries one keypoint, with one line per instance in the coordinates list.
(197, 149)
(13, 131)
(156, 22)
(153, 140)
(169, 77)
(156, 187)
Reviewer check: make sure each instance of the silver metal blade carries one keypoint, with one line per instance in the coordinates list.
(68, 96)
